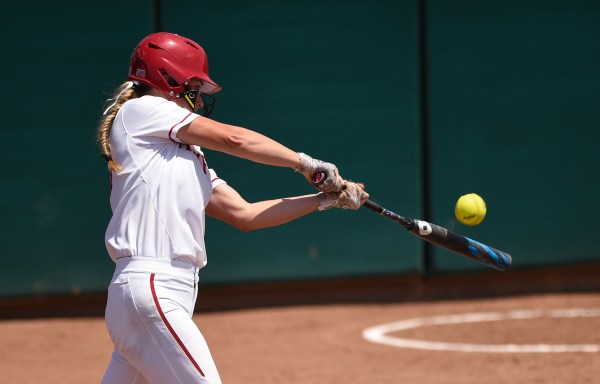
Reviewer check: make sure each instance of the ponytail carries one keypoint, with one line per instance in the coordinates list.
(126, 91)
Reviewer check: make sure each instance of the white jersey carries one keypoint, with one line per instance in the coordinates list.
(159, 196)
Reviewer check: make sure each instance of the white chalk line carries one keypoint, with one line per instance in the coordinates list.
(377, 334)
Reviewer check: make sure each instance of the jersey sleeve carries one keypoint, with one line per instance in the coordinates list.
(215, 180)
(156, 119)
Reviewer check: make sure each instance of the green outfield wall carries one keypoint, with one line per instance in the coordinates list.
(421, 101)
(513, 91)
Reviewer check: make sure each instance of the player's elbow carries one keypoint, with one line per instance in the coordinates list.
(245, 226)
(244, 220)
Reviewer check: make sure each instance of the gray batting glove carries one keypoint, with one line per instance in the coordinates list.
(309, 167)
(352, 196)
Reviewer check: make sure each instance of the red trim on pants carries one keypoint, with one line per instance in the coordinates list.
(173, 333)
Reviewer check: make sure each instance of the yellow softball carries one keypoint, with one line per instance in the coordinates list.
(470, 209)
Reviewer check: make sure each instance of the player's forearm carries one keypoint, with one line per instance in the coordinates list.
(259, 148)
(271, 213)
(238, 141)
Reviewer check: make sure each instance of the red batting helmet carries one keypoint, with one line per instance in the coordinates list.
(168, 53)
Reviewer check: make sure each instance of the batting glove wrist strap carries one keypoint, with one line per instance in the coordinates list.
(324, 202)
(309, 167)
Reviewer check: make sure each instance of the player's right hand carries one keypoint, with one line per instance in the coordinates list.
(352, 196)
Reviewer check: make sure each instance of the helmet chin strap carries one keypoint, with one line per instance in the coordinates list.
(191, 97)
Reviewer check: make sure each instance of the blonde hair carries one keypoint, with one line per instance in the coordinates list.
(124, 92)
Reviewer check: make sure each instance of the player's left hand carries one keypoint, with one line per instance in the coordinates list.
(352, 196)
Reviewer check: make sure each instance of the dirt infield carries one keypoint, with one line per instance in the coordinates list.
(325, 344)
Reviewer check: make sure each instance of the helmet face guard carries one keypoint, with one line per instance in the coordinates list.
(197, 100)
(169, 62)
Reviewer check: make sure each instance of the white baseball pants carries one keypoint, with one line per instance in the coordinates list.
(149, 319)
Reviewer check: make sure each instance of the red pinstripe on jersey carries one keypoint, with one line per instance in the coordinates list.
(173, 333)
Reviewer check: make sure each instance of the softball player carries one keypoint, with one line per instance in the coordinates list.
(161, 189)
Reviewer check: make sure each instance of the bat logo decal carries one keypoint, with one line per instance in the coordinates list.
(319, 177)
(424, 228)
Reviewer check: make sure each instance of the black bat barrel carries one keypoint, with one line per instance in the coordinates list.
(462, 245)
